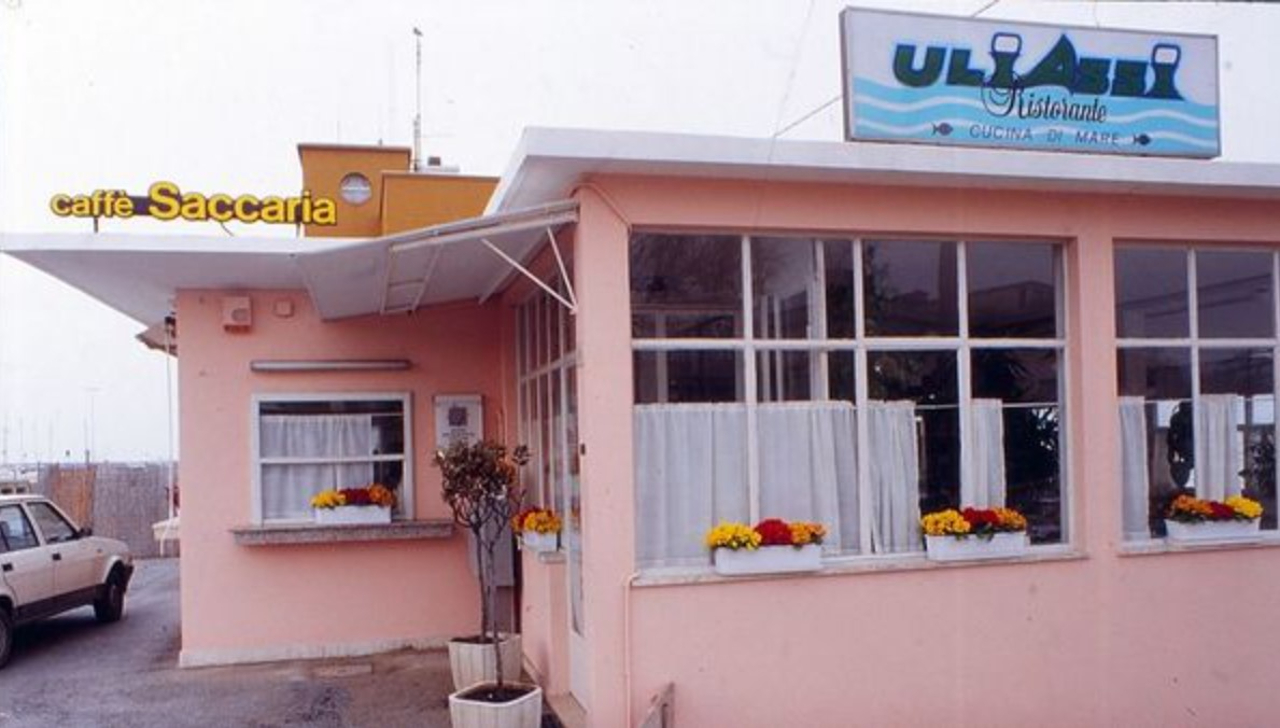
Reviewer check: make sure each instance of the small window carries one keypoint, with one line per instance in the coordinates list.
(307, 444)
(355, 188)
(54, 527)
(16, 533)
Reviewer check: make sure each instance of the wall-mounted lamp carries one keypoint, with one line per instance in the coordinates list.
(329, 365)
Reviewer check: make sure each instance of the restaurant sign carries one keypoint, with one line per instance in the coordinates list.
(166, 201)
(959, 81)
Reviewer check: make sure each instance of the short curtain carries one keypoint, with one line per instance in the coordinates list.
(287, 488)
(691, 472)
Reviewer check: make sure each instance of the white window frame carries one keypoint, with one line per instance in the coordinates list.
(1193, 343)
(405, 493)
(961, 345)
(541, 472)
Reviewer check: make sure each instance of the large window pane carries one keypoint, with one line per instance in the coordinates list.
(686, 286)
(1234, 294)
(1151, 293)
(1013, 290)
(927, 378)
(837, 262)
(782, 273)
(783, 376)
(1246, 376)
(1025, 382)
(688, 376)
(909, 288)
(1156, 419)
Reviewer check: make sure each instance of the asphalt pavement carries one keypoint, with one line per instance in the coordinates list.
(70, 671)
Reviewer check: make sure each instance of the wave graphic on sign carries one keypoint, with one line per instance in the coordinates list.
(1131, 125)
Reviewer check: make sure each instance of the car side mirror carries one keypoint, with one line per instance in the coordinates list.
(84, 532)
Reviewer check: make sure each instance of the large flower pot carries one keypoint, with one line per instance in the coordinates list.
(475, 662)
(970, 548)
(540, 542)
(768, 560)
(352, 515)
(467, 709)
(1211, 531)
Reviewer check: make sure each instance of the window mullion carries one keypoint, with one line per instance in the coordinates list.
(964, 374)
(749, 384)
(861, 403)
(1193, 323)
(819, 367)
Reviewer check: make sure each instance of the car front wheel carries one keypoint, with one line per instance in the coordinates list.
(110, 604)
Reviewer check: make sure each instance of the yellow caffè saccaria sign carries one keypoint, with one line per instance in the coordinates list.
(165, 201)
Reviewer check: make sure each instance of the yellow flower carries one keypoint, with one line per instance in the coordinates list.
(806, 532)
(381, 495)
(1011, 520)
(328, 499)
(730, 535)
(1244, 507)
(945, 523)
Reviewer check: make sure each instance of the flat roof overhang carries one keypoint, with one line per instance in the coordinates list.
(471, 259)
(550, 162)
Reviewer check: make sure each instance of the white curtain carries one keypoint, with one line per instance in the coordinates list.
(982, 484)
(808, 470)
(287, 488)
(1134, 478)
(1217, 447)
(895, 477)
(691, 473)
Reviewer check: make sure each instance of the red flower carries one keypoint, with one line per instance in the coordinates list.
(774, 532)
(981, 518)
(1221, 511)
(356, 496)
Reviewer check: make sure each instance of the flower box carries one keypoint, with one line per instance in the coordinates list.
(352, 515)
(970, 548)
(540, 542)
(767, 560)
(1211, 531)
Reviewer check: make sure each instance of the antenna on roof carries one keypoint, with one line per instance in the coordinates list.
(417, 118)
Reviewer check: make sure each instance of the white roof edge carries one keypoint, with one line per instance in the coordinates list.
(150, 242)
(549, 161)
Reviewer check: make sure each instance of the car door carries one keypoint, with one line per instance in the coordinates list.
(25, 564)
(74, 558)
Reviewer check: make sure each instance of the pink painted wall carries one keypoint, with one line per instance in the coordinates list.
(1099, 639)
(346, 596)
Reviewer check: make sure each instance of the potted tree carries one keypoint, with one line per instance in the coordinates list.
(480, 488)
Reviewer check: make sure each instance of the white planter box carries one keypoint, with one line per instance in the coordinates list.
(768, 560)
(1212, 531)
(540, 542)
(972, 548)
(523, 712)
(472, 663)
(352, 515)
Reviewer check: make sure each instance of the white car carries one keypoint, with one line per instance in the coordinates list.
(49, 565)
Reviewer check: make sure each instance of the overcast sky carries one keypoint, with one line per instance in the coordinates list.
(215, 96)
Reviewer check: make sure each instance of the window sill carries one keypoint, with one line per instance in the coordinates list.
(304, 533)
(842, 566)
(1156, 546)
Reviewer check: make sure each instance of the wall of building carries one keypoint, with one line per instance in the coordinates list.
(1092, 636)
(411, 201)
(324, 166)
(241, 602)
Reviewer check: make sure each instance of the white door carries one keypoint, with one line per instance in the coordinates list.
(24, 564)
(579, 676)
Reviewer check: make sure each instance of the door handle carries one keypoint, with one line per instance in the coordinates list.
(6, 567)
(57, 557)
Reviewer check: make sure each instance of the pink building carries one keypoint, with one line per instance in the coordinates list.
(854, 334)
